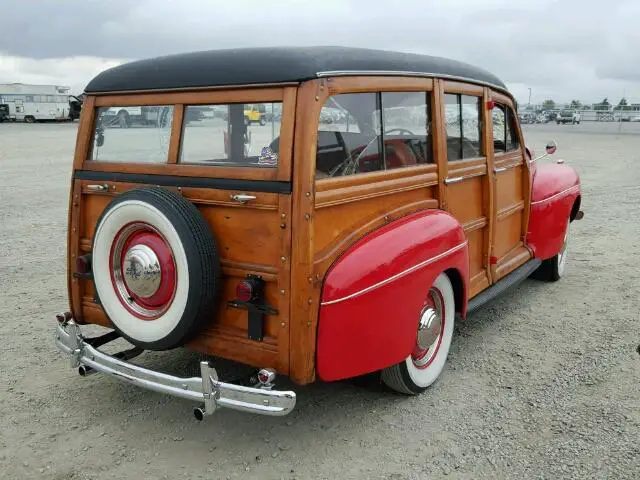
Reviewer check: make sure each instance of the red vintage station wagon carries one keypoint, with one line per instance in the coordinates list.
(320, 213)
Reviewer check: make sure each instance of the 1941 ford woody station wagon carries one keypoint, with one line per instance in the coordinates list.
(381, 196)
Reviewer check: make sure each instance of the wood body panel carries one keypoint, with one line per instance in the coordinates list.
(512, 182)
(252, 238)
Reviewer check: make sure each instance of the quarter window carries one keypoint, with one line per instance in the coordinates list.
(505, 133)
(464, 126)
(367, 132)
(132, 134)
(233, 135)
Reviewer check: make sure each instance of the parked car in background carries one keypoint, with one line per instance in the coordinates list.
(542, 118)
(4, 112)
(568, 116)
(527, 117)
(316, 250)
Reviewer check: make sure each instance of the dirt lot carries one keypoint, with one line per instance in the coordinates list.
(543, 383)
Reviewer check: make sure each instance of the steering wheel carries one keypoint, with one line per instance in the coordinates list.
(400, 130)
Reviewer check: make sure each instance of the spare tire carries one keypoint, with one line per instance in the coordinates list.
(155, 267)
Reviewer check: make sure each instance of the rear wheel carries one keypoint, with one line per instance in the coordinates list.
(30, 119)
(263, 121)
(433, 339)
(155, 267)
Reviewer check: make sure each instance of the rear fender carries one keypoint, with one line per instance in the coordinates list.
(374, 293)
(555, 192)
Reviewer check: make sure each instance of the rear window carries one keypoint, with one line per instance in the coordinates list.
(132, 134)
(233, 135)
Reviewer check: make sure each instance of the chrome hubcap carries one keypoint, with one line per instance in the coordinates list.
(429, 328)
(142, 272)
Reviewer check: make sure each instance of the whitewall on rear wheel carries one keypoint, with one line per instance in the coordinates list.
(433, 338)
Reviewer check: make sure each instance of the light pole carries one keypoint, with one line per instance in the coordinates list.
(529, 96)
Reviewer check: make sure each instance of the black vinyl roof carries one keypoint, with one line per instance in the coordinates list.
(268, 65)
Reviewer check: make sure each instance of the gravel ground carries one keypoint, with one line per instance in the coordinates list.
(543, 383)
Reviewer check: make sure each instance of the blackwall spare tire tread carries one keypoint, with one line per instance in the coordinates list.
(202, 259)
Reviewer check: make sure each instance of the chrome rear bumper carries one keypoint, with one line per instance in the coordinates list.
(206, 390)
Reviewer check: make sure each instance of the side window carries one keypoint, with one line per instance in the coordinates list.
(234, 135)
(367, 132)
(406, 122)
(349, 139)
(132, 134)
(499, 129)
(513, 142)
(505, 132)
(464, 126)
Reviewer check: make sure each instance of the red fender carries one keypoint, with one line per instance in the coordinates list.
(374, 293)
(554, 193)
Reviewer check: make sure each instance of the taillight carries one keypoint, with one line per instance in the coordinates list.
(251, 289)
(245, 291)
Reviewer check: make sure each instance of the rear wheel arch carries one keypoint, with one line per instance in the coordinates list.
(350, 308)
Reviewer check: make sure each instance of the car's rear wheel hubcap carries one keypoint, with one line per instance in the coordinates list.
(430, 328)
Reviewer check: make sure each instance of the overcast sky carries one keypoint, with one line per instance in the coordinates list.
(563, 49)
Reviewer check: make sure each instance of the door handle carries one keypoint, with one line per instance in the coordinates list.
(242, 198)
(449, 181)
(98, 188)
(500, 169)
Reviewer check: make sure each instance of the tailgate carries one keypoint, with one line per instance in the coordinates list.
(253, 237)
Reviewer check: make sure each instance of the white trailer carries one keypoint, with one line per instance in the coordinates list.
(30, 103)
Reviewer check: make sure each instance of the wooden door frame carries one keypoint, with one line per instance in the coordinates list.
(520, 253)
(473, 165)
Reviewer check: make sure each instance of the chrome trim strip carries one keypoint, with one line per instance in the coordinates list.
(555, 195)
(394, 73)
(398, 275)
(207, 390)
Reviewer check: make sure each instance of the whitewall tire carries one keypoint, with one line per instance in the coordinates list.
(155, 267)
(433, 339)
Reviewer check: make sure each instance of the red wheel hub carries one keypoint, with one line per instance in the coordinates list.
(143, 270)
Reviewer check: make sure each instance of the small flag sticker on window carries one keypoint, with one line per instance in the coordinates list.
(268, 157)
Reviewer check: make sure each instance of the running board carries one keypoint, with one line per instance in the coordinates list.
(514, 278)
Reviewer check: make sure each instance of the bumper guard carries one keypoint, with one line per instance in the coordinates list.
(207, 389)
